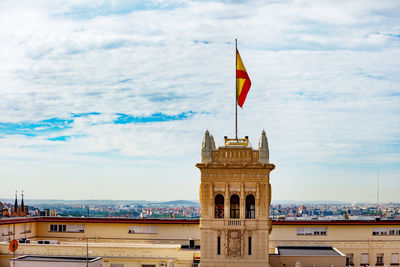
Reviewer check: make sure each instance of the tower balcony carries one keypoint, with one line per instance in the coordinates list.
(249, 224)
(234, 222)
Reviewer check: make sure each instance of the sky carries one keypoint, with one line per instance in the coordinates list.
(111, 99)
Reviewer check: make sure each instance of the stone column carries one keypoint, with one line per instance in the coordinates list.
(242, 201)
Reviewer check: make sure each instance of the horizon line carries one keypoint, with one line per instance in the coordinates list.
(176, 200)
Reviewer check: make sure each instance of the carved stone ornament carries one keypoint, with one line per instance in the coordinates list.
(234, 243)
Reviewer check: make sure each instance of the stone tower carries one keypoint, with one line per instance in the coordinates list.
(235, 195)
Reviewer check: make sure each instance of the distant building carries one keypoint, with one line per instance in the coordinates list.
(19, 210)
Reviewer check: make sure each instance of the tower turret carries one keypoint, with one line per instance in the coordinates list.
(263, 149)
(207, 147)
(212, 142)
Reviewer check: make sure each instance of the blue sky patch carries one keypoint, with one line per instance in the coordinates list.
(393, 35)
(125, 80)
(201, 42)
(156, 117)
(77, 115)
(117, 8)
(114, 45)
(311, 96)
(64, 137)
(35, 128)
(60, 138)
(388, 34)
(161, 97)
(394, 94)
(30, 128)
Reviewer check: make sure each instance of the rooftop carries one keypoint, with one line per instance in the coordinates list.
(307, 251)
(187, 221)
(56, 258)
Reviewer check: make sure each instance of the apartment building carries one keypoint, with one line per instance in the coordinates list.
(175, 242)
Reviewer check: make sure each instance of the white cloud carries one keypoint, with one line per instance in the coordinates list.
(324, 77)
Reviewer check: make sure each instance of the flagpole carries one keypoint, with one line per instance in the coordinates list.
(236, 96)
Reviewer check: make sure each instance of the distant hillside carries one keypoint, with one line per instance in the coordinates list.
(54, 202)
(308, 202)
(171, 203)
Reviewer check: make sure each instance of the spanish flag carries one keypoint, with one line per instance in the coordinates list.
(243, 82)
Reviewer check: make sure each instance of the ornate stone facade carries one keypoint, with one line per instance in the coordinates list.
(235, 196)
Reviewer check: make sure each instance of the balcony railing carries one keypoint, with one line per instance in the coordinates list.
(234, 222)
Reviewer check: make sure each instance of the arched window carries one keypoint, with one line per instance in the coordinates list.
(219, 206)
(235, 207)
(250, 207)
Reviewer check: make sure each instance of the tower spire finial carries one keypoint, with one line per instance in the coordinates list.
(207, 147)
(263, 148)
(22, 201)
(16, 202)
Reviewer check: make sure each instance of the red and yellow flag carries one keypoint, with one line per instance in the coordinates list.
(243, 82)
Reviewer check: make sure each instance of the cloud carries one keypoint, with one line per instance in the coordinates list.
(136, 84)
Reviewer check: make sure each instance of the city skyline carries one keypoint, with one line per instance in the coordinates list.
(111, 101)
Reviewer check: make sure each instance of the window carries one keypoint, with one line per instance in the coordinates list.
(320, 231)
(141, 229)
(250, 207)
(22, 229)
(235, 207)
(379, 259)
(11, 230)
(364, 259)
(219, 206)
(380, 231)
(58, 228)
(249, 252)
(304, 231)
(7, 230)
(75, 228)
(219, 245)
(148, 265)
(395, 259)
(394, 231)
(349, 260)
(191, 243)
(311, 231)
(116, 265)
(28, 228)
(4, 230)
